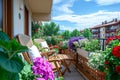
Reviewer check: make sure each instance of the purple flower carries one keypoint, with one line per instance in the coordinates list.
(40, 79)
(43, 69)
(73, 39)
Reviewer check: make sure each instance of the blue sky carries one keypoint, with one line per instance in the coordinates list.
(81, 14)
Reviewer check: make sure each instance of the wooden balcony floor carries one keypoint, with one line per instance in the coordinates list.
(73, 75)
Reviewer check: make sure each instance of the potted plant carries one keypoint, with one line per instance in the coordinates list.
(11, 62)
(64, 47)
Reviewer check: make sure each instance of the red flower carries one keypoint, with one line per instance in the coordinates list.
(112, 38)
(116, 51)
(108, 40)
(106, 62)
(36, 30)
(62, 36)
(118, 69)
(117, 37)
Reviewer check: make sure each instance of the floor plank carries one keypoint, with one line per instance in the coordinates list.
(73, 75)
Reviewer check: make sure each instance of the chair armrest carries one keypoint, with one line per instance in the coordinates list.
(46, 54)
(52, 47)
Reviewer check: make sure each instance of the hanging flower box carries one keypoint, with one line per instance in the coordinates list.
(82, 65)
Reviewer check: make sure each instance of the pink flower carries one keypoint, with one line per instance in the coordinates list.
(40, 79)
(43, 69)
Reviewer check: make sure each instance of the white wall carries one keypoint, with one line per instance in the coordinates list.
(30, 26)
(18, 17)
(18, 23)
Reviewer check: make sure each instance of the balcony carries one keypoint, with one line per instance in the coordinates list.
(96, 31)
(110, 30)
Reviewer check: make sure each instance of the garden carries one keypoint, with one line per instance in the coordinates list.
(94, 63)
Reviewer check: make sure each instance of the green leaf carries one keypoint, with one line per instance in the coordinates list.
(12, 47)
(14, 65)
(4, 36)
(5, 75)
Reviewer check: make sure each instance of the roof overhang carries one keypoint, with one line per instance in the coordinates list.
(40, 9)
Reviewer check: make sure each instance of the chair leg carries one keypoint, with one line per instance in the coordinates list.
(66, 65)
(58, 69)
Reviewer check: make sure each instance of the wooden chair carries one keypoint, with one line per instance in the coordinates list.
(27, 41)
(65, 59)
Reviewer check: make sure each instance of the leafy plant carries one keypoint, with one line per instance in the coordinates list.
(112, 59)
(26, 73)
(108, 61)
(59, 78)
(118, 33)
(64, 45)
(10, 61)
(92, 45)
(66, 34)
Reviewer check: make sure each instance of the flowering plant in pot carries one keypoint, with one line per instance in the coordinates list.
(112, 58)
(42, 69)
(72, 43)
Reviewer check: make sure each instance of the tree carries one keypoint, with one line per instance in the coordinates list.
(87, 34)
(50, 29)
(75, 33)
(66, 34)
(36, 30)
(118, 33)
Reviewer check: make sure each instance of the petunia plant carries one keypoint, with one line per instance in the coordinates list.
(72, 43)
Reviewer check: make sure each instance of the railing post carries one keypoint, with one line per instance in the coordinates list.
(103, 44)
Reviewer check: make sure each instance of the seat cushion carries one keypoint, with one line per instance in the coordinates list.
(34, 52)
(44, 45)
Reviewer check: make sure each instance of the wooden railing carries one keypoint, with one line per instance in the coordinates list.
(81, 59)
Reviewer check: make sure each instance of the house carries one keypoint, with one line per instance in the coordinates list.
(16, 15)
(106, 29)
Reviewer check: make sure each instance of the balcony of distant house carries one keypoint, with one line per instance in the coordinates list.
(95, 31)
(96, 36)
(110, 29)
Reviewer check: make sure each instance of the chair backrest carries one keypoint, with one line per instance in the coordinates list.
(25, 41)
(42, 43)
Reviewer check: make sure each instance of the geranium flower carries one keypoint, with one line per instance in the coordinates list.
(106, 62)
(116, 51)
(108, 40)
(112, 38)
(118, 69)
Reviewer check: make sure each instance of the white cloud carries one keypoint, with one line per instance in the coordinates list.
(56, 1)
(64, 7)
(107, 2)
(86, 21)
(62, 27)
